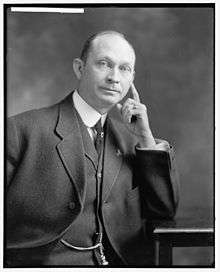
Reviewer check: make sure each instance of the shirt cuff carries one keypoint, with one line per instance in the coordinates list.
(161, 145)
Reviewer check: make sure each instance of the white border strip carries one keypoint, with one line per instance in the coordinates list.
(41, 9)
(164, 231)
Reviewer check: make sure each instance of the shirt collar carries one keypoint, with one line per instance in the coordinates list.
(87, 113)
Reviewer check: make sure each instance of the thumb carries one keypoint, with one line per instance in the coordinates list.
(119, 106)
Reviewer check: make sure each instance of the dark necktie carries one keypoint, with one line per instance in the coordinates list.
(99, 137)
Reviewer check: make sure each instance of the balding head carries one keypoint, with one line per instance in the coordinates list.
(88, 45)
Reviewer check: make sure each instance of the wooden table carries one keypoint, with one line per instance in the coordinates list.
(181, 232)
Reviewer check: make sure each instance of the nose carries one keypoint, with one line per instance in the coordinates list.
(113, 76)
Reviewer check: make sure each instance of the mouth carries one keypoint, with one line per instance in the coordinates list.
(110, 89)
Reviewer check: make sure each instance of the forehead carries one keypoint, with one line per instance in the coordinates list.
(114, 47)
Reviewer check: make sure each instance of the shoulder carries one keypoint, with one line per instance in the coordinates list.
(34, 119)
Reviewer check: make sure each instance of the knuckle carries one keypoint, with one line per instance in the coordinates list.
(126, 103)
(143, 107)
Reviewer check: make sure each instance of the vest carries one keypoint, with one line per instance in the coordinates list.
(83, 231)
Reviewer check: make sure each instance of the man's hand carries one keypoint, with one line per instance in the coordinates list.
(135, 117)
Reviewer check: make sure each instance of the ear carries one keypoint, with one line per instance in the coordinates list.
(133, 76)
(78, 66)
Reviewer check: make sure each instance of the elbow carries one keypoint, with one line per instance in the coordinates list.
(162, 211)
(171, 210)
(170, 214)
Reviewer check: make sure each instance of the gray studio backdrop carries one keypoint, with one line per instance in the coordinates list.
(174, 76)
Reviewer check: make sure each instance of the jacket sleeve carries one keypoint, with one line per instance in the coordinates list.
(159, 187)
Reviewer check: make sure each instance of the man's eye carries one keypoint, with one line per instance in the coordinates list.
(125, 68)
(103, 63)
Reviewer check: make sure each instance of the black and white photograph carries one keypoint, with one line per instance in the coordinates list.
(109, 135)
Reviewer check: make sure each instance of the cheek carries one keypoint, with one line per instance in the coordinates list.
(97, 75)
(126, 85)
(90, 79)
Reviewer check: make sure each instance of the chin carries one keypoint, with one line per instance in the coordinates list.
(107, 103)
(111, 98)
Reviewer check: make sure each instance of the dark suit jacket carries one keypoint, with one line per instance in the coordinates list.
(46, 182)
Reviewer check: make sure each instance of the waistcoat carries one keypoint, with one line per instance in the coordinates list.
(82, 232)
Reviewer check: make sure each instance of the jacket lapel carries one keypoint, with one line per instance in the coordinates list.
(70, 148)
(113, 157)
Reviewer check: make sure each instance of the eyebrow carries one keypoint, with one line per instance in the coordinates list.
(109, 59)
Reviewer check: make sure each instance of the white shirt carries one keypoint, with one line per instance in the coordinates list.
(88, 114)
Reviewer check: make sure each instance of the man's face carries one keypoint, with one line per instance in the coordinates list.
(108, 72)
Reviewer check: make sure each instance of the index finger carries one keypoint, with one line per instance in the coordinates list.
(134, 92)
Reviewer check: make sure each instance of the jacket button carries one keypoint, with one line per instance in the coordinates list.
(72, 205)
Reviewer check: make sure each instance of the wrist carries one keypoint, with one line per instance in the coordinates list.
(147, 142)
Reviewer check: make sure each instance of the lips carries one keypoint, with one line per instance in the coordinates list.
(110, 89)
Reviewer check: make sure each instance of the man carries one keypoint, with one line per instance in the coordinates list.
(81, 186)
